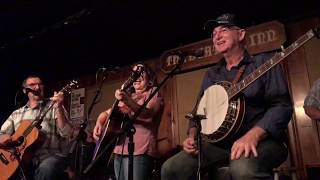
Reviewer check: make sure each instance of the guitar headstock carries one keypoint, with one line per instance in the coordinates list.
(73, 84)
(316, 32)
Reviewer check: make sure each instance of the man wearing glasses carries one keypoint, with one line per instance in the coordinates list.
(258, 146)
(47, 161)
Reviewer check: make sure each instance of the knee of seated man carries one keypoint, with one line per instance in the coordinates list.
(45, 171)
(173, 166)
(51, 165)
(168, 167)
(243, 167)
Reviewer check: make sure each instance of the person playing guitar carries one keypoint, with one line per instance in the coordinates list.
(46, 140)
(145, 125)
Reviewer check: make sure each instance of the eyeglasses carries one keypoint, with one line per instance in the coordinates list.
(223, 30)
(34, 84)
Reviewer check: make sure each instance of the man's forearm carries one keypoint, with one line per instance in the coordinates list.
(61, 117)
(258, 133)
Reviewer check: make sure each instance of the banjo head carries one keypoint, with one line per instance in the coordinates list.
(214, 105)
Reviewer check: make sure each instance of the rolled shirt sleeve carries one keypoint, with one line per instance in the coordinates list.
(67, 130)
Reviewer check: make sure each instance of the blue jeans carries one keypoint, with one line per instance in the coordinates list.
(51, 167)
(142, 167)
(183, 166)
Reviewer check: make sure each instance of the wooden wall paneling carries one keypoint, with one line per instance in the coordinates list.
(313, 59)
(300, 122)
(305, 148)
(188, 86)
(297, 74)
(175, 107)
(289, 167)
(313, 68)
(305, 126)
(167, 130)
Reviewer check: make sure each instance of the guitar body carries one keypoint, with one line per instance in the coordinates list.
(113, 125)
(224, 115)
(108, 140)
(9, 162)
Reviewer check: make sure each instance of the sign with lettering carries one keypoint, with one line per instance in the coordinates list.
(77, 105)
(261, 38)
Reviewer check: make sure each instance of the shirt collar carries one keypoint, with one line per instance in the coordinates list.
(40, 104)
(246, 60)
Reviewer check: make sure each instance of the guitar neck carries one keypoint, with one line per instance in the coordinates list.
(114, 105)
(38, 120)
(276, 59)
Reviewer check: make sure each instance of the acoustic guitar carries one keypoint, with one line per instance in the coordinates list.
(26, 135)
(114, 123)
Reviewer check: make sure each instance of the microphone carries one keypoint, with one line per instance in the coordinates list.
(195, 117)
(34, 92)
(138, 72)
(189, 52)
(109, 70)
(103, 69)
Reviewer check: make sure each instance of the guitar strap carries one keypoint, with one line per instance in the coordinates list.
(239, 74)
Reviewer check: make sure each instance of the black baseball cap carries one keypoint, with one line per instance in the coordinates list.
(226, 19)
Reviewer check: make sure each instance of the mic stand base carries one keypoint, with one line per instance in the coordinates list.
(79, 147)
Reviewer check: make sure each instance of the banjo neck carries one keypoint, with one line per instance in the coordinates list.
(276, 59)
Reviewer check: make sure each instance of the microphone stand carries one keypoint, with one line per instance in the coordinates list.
(197, 119)
(129, 130)
(199, 139)
(82, 135)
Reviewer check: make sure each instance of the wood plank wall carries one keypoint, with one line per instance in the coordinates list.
(303, 69)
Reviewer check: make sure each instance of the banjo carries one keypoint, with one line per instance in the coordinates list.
(224, 108)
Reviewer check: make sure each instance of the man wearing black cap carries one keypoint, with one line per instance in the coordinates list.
(259, 144)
